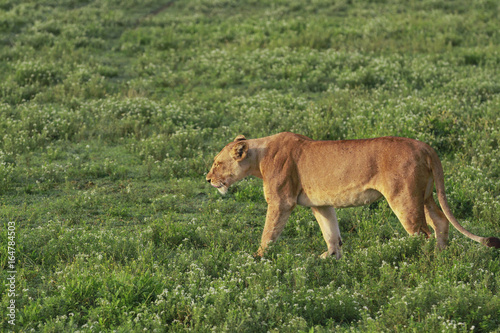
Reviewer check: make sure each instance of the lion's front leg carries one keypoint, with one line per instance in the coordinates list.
(276, 218)
(327, 220)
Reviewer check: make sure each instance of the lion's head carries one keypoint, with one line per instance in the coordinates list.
(230, 165)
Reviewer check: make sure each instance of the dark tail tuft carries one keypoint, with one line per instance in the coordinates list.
(492, 242)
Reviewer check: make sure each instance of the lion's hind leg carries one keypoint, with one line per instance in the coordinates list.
(409, 208)
(438, 221)
(327, 220)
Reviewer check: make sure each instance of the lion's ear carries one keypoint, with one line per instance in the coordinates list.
(239, 138)
(239, 151)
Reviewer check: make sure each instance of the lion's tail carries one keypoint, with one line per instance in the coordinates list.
(438, 174)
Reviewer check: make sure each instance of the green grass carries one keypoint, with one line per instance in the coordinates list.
(112, 111)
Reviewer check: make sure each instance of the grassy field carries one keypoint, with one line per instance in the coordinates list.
(112, 111)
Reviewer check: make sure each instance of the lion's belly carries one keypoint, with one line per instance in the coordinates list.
(347, 198)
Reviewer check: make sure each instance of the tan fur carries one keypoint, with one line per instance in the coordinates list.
(325, 175)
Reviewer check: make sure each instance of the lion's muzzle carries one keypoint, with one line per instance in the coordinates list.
(219, 185)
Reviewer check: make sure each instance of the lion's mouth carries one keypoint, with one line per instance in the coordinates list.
(221, 187)
(217, 185)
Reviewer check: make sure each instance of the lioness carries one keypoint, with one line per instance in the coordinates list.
(325, 175)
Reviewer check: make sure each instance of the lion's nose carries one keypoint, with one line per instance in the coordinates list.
(209, 180)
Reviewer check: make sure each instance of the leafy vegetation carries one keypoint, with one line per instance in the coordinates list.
(110, 115)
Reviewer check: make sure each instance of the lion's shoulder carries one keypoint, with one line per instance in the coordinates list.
(288, 140)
